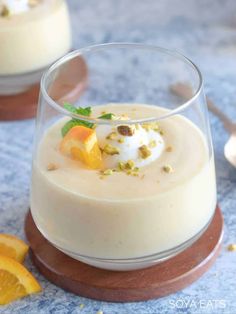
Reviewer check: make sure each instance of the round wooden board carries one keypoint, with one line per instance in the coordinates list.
(68, 85)
(19, 106)
(154, 282)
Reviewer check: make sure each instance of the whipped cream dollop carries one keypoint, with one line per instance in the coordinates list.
(140, 144)
(18, 6)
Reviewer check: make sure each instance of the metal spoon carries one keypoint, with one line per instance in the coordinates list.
(185, 91)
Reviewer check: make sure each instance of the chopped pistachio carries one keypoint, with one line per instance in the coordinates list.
(151, 126)
(131, 173)
(126, 130)
(33, 3)
(107, 172)
(152, 144)
(129, 168)
(146, 126)
(100, 312)
(123, 117)
(130, 164)
(169, 149)
(121, 140)
(232, 247)
(121, 165)
(161, 132)
(81, 306)
(5, 12)
(111, 136)
(168, 169)
(156, 128)
(52, 167)
(110, 150)
(144, 151)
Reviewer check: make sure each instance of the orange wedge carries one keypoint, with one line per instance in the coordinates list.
(80, 143)
(13, 247)
(15, 281)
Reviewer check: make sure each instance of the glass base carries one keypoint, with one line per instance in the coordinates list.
(134, 263)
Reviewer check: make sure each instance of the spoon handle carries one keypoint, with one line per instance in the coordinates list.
(228, 124)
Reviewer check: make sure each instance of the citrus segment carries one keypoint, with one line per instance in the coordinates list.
(15, 281)
(80, 143)
(13, 247)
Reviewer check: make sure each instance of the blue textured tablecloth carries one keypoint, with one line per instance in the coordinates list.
(204, 30)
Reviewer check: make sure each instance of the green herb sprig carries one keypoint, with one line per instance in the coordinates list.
(74, 122)
(107, 116)
(83, 112)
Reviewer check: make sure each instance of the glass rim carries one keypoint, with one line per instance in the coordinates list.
(94, 48)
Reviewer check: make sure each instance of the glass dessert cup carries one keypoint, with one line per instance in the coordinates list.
(123, 177)
(35, 34)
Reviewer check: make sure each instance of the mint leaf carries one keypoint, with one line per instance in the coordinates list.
(107, 116)
(82, 111)
(74, 122)
(70, 107)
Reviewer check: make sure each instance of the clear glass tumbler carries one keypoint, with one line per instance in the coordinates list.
(123, 169)
(33, 35)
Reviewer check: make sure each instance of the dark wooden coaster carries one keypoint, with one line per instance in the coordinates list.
(68, 85)
(19, 106)
(154, 282)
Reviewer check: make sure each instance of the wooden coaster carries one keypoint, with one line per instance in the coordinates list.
(19, 106)
(154, 282)
(68, 85)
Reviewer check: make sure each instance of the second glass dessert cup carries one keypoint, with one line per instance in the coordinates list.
(123, 176)
(34, 35)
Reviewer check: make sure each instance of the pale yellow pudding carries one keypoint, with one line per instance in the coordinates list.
(167, 197)
(33, 34)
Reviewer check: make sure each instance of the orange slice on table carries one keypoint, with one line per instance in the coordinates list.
(15, 281)
(13, 247)
(80, 143)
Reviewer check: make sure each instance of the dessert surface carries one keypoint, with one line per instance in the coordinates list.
(171, 144)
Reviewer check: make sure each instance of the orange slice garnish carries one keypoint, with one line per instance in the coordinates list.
(80, 143)
(13, 247)
(15, 281)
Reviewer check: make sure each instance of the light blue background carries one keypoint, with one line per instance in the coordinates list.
(204, 30)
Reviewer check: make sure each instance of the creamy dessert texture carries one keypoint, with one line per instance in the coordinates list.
(33, 34)
(155, 190)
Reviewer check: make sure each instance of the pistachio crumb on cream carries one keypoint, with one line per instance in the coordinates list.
(112, 136)
(51, 167)
(110, 150)
(141, 143)
(168, 169)
(169, 149)
(4, 11)
(144, 152)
